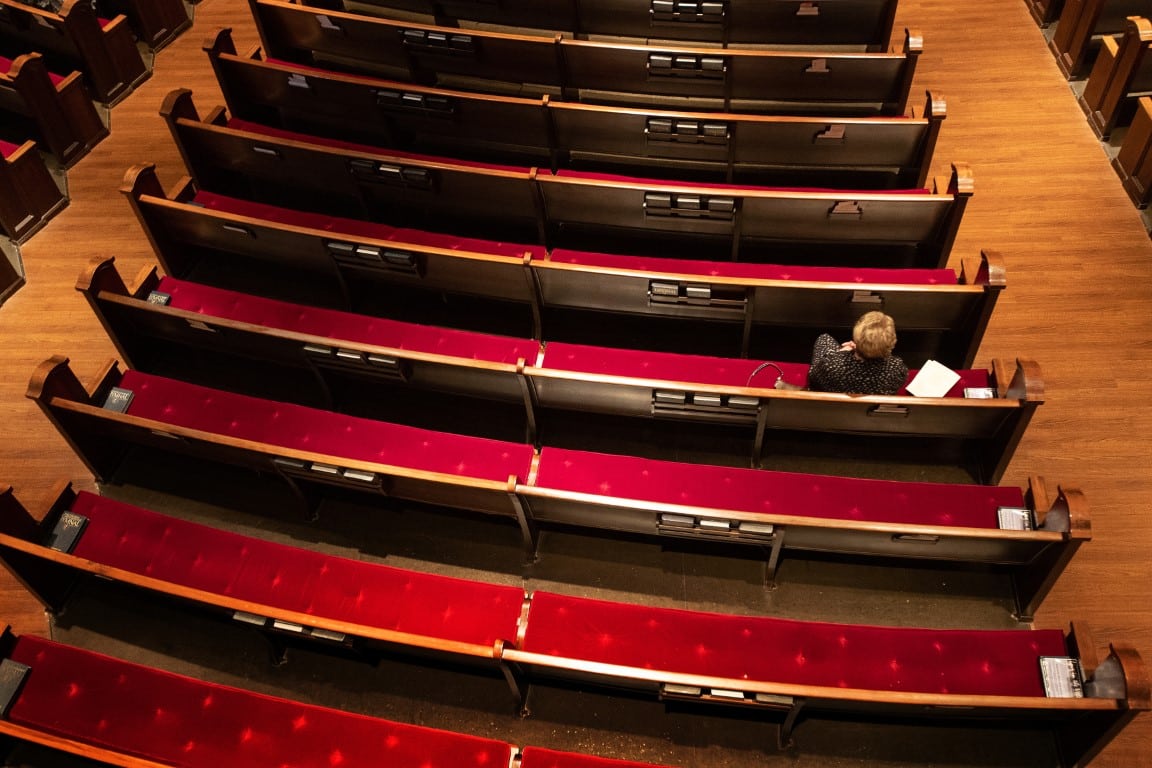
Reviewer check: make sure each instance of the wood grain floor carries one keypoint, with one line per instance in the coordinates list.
(1078, 299)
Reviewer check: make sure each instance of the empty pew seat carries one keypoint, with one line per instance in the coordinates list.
(329, 598)
(121, 713)
(76, 38)
(54, 110)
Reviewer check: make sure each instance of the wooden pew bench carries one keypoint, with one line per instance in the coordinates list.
(53, 110)
(1121, 75)
(796, 668)
(880, 152)
(75, 38)
(155, 22)
(236, 335)
(1132, 160)
(1084, 25)
(905, 228)
(747, 80)
(280, 590)
(29, 196)
(157, 718)
(776, 308)
(309, 448)
(866, 24)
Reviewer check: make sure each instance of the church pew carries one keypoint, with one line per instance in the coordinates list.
(240, 335)
(773, 510)
(905, 228)
(1122, 73)
(28, 195)
(748, 80)
(280, 590)
(941, 315)
(1045, 11)
(53, 110)
(1084, 24)
(75, 38)
(793, 668)
(156, 22)
(157, 719)
(864, 23)
(861, 152)
(1132, 160)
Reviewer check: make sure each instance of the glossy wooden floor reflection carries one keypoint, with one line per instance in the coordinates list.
(1078, 299)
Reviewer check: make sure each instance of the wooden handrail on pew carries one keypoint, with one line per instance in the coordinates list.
(103, 50)
(866, 23)
(906, 228)
(28, 195)
(240, 727)
(1121, 74)
(58, 111)
(725, 146)
(707, 78)
(778, 511)
(237, 336)
(1083, 25)
(756, 662)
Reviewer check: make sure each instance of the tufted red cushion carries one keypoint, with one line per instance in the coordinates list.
(346, 326)
(669, 366)
(364, 229)
(775, 493)
(311, 429)
(293, 579)
(534, 757)
(760, 649)
(180, 721)
(866, 275)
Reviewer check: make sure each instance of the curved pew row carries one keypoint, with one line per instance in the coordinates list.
(53, 110)
(125, 714)
(746, 80)
(75, 38)
(905, 228)
(235, 335)
(29, 196)
(863, 23)
(211, 238)
(775, 664)
(880, 152)
(310, 450)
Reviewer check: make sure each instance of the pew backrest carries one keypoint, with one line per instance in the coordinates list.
(1083, 24)
(859, 152)
(56, 111)
(747, 79)
(29, 196)
(1122, 73)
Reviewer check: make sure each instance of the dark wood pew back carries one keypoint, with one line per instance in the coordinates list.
(731, 78)
(863, 23)
(29, 196)
(1083, 23)
(1122, 73)
(815, 151)
(75, 38)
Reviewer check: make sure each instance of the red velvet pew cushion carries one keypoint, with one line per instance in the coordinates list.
(293, 579)
(670, 366)
(339, 226)
(762, 649)
(180, 721)
(7, 150)
(311, 429)
(346, 326)
(771, 492)
(754, 271)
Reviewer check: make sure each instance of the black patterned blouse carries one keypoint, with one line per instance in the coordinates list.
(836, 370)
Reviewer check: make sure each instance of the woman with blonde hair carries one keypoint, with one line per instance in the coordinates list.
(865, 365)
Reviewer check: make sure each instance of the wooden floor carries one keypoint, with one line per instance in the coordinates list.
(1079, 297)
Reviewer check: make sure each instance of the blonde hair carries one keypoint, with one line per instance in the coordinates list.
(875, 335)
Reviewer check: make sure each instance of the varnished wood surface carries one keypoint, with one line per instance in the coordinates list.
(1079, 298)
